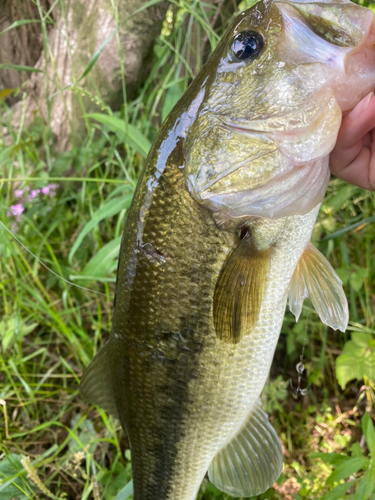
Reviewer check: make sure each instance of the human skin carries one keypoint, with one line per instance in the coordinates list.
(353, 157)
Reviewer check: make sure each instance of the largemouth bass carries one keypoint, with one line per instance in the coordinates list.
(217, 239)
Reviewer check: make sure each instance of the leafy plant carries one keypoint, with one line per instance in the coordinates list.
(345, 467)
(357, 359)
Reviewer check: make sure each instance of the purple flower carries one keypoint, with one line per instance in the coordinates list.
(45, 190)
(18, 193)
(33, 194)
(17, 210)
(51, 188)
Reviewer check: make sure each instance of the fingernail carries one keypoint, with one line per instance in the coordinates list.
(362, 107)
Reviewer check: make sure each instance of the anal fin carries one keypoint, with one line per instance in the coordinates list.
(239, 291)
(252, 461)
(96, 386)
(315, 278)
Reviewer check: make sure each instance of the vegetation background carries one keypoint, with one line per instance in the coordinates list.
(65, 208)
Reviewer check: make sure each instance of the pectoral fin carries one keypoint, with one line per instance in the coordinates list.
(314, 277)
(96, 386)
(252, 461)
(239, 291)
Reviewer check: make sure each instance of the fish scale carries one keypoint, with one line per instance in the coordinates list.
(211, 393)
(218, 238)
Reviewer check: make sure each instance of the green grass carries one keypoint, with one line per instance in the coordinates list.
(54, 446)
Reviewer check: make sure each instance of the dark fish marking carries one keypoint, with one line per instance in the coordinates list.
(176, 403)
(151, 253)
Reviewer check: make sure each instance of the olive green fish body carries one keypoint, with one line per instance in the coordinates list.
(217, 240)
(181, 393)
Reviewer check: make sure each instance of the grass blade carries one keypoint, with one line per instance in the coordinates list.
(132, 136)
(110, 209)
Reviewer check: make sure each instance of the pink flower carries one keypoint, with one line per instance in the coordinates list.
(33, 194)
(18, 193)
(45, 190)
(17, 209)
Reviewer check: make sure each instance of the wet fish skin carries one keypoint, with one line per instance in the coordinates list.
(183, 392)
(182, 384)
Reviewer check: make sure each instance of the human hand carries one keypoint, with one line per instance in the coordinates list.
(353, 157)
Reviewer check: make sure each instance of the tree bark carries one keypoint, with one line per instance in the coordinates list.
(81, 27)
(22, 45)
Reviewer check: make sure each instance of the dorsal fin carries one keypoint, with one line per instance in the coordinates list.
(314, 277)
(96, 386)
(252, 461)
(239, 291)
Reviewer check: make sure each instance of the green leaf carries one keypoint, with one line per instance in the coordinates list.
(338, 491)
(366, 487)
(20, 22)
(132, 136)
(86, 434)
(367, 220)
(62, 162)
(96, 56)
(15, 487)
(369, 433)
(348, 468)
(110, 209)
(344, 274)
(18, 67)
(6, 154)
(357, 359)
(173, 95)
(361, 340)
(329, 458)
(104, 262)
(356, 450)
(348, 368)
(13, 330)
(125, 493)
(342, 195)
(357, 277)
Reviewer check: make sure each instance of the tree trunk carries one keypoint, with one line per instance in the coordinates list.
(79, 29)
(22, 45)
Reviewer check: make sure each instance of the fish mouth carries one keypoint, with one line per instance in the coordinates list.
(313, 33)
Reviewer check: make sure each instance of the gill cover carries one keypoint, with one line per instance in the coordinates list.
(261, 140)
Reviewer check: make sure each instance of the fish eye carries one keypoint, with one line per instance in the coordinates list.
(247, 44)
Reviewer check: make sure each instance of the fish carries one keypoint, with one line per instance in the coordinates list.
(217, 241)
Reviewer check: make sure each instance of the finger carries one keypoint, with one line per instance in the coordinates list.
(353, 135)
(358, 122)
(361, 171)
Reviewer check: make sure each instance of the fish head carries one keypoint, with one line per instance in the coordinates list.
(276, 87)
